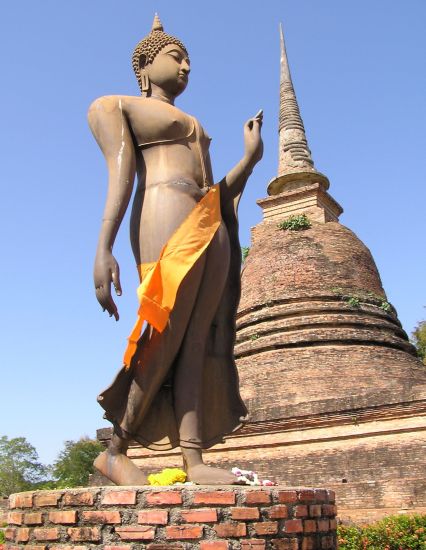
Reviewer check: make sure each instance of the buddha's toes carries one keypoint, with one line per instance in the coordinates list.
(207, 475)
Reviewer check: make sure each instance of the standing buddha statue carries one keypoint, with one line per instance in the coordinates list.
(178, 385)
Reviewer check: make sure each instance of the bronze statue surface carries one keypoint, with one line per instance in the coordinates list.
(180, 386)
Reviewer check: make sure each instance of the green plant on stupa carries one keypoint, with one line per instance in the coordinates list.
(244, 253)
(295, 223)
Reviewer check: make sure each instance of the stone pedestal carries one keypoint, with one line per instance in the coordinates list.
(311, 199)
(175, 518)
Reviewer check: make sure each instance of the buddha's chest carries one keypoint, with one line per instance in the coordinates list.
(154, 122)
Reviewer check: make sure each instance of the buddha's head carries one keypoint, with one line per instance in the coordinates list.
(161, 59)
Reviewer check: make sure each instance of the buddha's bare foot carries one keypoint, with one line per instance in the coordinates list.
(207, 475)
(119, 469)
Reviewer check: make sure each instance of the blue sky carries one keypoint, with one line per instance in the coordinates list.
(358, 69)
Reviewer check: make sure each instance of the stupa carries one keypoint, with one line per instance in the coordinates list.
(336, 394)
(333, 385)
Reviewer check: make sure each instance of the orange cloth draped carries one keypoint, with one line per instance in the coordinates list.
(160, 280)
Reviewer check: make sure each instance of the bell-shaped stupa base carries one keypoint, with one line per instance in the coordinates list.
(334, 389)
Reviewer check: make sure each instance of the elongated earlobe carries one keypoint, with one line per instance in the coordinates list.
(145, 84)
(144, 78)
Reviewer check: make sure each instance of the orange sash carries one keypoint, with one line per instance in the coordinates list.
(160, 280)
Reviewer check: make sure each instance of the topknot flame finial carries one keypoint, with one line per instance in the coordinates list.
(157, 25)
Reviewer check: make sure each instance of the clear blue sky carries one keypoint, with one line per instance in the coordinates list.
(359, 73)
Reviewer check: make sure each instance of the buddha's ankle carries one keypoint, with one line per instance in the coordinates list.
(117, 445)
(192, 457)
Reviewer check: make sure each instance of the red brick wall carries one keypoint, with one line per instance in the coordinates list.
(173, 518)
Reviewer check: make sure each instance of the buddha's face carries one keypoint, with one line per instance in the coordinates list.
(170, 69)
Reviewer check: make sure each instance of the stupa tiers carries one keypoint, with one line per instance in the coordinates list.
(336, 394)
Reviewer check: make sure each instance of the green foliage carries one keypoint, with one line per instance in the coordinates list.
(353, 301)
(295, 223)
(47, 484)
(20, 469)
(418, 338)
(386, 306)
(2, 538)
(254, 337)
(75, 463)
(402, 532)
(244, 253)
(349, 537)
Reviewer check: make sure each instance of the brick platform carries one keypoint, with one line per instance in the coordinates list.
(184, 518)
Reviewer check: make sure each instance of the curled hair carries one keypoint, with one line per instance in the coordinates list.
(150, 46)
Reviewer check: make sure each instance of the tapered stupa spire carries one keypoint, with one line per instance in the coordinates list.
(295, 161)
(291, 129)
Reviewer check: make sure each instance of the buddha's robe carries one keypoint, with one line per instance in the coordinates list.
(223, 410)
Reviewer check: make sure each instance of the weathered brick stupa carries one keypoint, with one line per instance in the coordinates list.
(335, 392)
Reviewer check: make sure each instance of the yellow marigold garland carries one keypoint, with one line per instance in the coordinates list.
(168, 476)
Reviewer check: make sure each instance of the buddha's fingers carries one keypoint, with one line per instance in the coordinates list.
(115, 275)
(254, 126)
(103, 296)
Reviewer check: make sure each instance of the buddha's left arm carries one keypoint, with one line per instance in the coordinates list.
(235, 180)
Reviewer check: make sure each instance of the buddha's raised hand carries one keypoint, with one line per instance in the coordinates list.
(253, 143)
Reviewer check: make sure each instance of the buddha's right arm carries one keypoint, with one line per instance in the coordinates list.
(110, 128)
